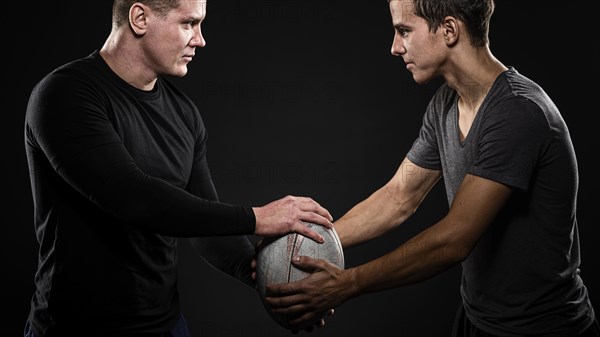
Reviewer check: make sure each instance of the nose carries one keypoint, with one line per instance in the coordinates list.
(198, 39)
(397, 46)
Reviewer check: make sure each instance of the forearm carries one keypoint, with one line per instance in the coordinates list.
(434, 250)
(439, 247)
(108, 177)
(424, 256)
(153, 204)
(427, 254)
(231, 255)
(389, 206)
(371, 218)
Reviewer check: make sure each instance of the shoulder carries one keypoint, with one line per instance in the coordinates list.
(441, 103)
(69, 78)
(443, 97)
(79, 68)
(513, 88)
(519, 101)
(66, 91)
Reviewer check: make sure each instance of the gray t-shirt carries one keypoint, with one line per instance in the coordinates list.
(522, 277)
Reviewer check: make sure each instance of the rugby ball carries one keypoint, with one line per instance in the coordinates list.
(274, 261)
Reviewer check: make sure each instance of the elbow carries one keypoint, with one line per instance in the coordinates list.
(455, 252)
(454, 246)
(402, 208)
(130, 197)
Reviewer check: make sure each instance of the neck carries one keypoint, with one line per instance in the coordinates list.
(124, 56)
(475, 73)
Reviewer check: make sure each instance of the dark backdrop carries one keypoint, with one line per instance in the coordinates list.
(304, 98)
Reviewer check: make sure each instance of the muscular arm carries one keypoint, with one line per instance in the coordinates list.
(69, 131)
(68, 126)
(387, 207)
(432, 251)
(440, 246)
(109, 178)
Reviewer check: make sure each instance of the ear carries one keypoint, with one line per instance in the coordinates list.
(138, 18)
(450, 30)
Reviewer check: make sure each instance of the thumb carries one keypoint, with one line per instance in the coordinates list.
(306, 263)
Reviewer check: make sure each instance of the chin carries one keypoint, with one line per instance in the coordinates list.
(421, 79)
(180, 72)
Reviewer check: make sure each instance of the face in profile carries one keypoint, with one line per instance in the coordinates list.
(170, 42)
(422, 50)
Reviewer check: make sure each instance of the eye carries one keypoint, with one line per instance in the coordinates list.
(402, 31)
(190, 23)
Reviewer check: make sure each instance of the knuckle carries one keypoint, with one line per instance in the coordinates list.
(290, 224)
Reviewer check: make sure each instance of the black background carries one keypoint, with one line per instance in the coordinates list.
(304, 98)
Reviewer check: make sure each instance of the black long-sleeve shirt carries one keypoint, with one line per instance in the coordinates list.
(117, 174)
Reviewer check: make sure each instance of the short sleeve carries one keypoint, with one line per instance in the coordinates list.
(511, 141)
(425, 150)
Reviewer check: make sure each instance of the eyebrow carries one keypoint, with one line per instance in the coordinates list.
(401, 25)
(193, 18)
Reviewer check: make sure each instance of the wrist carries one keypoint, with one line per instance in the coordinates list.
(256, 211)
(352, 285)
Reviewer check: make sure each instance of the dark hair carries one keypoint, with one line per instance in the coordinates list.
(475, 14)
(121, 8)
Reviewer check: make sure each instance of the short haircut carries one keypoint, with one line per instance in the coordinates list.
(121, 8)
(475, 14)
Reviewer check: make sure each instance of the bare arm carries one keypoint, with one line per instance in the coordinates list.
(440, 246)
(387, 207)
(434, 250)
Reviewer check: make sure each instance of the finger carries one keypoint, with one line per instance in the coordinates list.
(307, 232)
(323, 212)
(281, 289)
(307, 204)
(316, 219)
(320, 323)
(306, 263)
(330, 312)
(315, 207)
(287, 304)
(259, 244)
(253, 265)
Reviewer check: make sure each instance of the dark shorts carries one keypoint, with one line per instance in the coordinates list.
(179, 330)
(464, 328)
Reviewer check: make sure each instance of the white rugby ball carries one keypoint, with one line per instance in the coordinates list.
(274, 261)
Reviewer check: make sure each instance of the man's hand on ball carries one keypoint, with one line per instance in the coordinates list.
(303, 300)
(287, 215)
